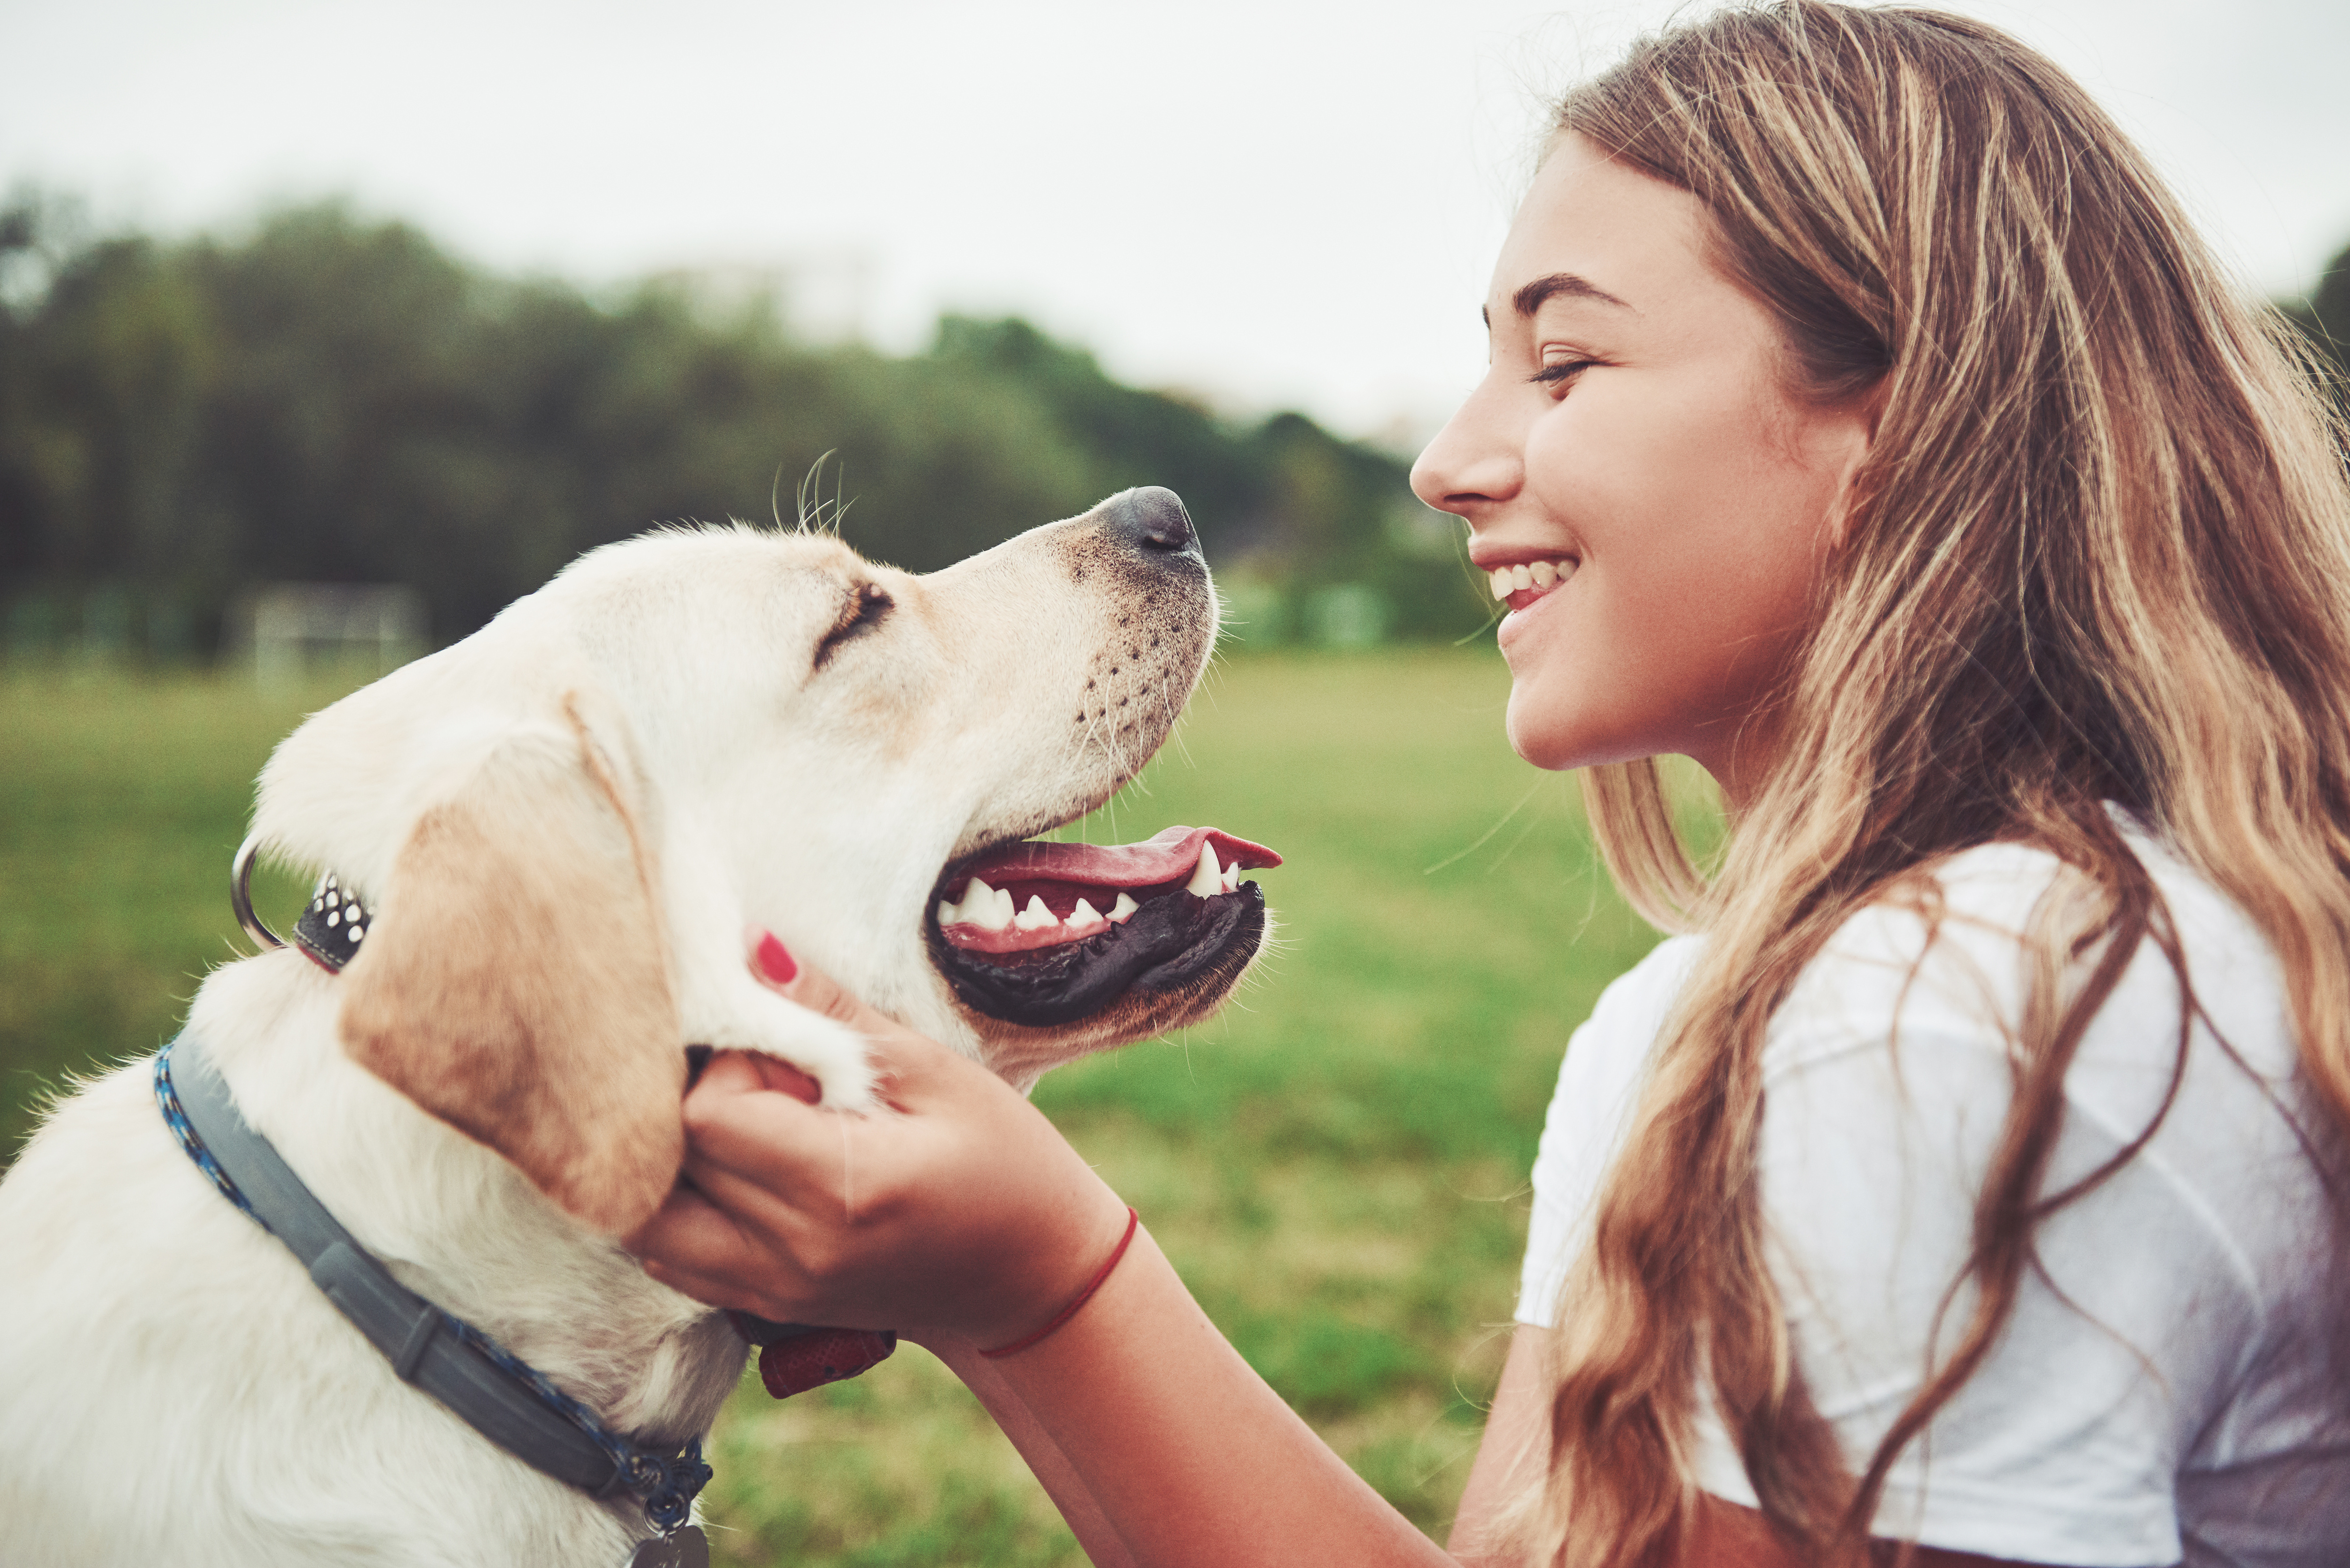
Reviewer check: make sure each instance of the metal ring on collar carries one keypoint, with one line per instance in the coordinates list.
(240, 894)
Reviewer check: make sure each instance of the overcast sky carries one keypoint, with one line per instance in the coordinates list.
(1278, 202)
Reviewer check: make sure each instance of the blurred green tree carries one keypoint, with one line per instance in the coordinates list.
(330, 397)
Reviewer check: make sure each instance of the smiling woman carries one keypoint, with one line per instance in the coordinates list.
(1969, 1181)
(1635, 431)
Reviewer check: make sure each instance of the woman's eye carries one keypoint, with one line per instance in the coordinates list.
(865, 613)
(1561, 372)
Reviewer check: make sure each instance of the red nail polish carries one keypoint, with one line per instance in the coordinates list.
(774, 963)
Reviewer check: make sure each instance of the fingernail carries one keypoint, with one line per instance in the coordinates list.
(774, 961)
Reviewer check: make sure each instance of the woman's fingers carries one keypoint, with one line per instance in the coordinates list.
(960, 1211)
(779, 970)
(730, 1245)
(902, 1060)
(692, 1245)
(746, 1072)
(734, 1120)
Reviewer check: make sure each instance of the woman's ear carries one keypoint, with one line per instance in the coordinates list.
(514, 981)
(1854, 436)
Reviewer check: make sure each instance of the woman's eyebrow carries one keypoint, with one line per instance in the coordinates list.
(1558, 285)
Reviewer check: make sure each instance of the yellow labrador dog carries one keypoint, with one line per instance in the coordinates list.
(546, 844)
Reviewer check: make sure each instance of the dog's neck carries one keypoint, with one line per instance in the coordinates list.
(454, 1221)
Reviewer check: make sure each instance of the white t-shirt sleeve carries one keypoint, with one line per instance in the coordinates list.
(1887, 1086)
(1598, 1084)
(1887, 1083)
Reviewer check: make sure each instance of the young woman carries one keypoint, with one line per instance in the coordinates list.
(1871, 428)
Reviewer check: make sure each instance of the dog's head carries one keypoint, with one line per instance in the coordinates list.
(566, 824)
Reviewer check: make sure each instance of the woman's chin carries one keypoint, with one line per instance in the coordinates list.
(1537, 734)
(1554, 724)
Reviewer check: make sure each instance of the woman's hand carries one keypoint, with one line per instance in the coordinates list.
(955, 1212)
(959, 1218)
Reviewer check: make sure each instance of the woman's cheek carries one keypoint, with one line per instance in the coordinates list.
(1566, 449)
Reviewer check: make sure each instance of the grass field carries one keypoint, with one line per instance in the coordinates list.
(1336, 1165)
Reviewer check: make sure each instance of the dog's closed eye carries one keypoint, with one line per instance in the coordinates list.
(867, 606)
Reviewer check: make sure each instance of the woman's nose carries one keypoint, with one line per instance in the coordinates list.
(1473, 461)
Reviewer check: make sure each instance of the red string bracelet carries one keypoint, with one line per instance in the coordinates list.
(1082, 1297)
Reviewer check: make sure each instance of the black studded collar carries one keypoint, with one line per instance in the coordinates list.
(333, 924)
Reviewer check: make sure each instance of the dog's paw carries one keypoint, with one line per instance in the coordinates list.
(747, 1016)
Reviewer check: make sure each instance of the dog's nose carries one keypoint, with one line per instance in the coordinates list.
(1151, 520)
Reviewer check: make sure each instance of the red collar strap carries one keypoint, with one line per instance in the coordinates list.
(795, 1357)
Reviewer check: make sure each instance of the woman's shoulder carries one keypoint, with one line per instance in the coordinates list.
(1607, 1053)
(2176, 1319)
(1645, 992)
(1911, 1020)
(1954, 951)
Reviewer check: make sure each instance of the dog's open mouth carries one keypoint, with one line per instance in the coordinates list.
(1045, 934)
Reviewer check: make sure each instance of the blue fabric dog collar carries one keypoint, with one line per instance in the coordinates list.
(507, 1401)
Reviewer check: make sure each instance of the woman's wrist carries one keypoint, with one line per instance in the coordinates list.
(1039, 1272)
(1075, 1303)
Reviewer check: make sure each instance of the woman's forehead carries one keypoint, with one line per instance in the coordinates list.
(1614, 237)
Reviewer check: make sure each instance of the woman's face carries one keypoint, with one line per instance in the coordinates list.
(1632, 450)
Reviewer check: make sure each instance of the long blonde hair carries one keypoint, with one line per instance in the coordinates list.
(2100, 552)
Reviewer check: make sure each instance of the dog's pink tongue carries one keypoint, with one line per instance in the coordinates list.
(1163, 857)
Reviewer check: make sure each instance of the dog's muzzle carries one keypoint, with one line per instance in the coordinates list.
(1048, 934)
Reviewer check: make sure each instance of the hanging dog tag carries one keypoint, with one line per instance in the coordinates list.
(684, 1547)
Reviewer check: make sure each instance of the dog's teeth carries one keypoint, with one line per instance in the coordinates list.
(948, 913)
(1521, 578)
(1545, 573)
(1123, 910)
(1209, 879)
(1504, 584)
(984, 906)
(1084, 918)
(1232, 878)
(1035, 917)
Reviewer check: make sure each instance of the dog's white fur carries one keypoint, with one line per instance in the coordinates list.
(568, 823)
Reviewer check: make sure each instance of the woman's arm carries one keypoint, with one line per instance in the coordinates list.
(1103, 1548)
(1179, 1443)
(1510, 1459)
(960, 1217)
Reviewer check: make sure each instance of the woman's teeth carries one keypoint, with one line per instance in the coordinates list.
(1508, 580)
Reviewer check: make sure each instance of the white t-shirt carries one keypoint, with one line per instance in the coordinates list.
(2184, 1405)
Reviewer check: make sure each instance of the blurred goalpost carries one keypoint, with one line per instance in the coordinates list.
(293, 628)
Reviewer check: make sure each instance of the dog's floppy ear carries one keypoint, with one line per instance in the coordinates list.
(514, 981)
